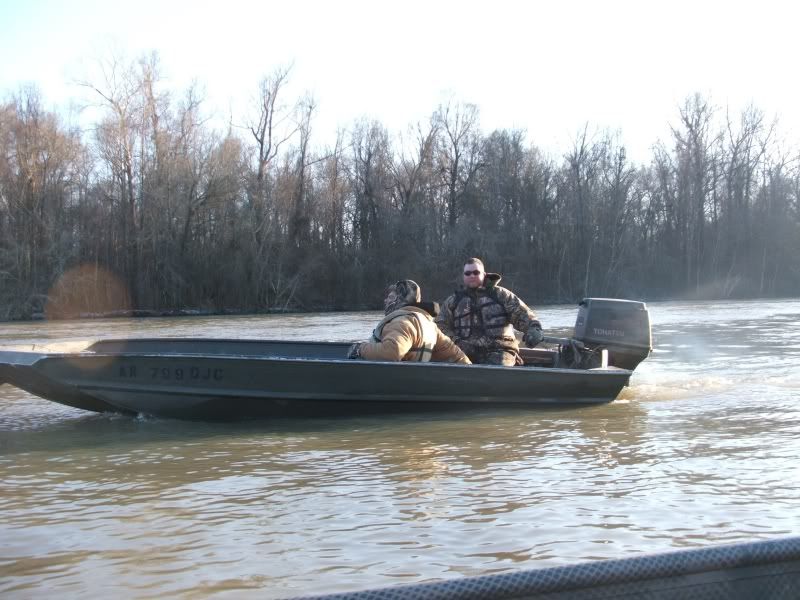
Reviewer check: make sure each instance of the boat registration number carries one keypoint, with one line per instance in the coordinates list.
(173, 373)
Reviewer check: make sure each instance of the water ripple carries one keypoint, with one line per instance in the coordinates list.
(701, 449)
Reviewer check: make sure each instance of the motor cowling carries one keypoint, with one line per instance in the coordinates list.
(622, 327)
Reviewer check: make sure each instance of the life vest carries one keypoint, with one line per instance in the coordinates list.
(427, 327)
(480, 314)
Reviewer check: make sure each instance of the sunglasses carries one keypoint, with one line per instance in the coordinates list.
(468, 273)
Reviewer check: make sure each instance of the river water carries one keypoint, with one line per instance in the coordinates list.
(701, 449)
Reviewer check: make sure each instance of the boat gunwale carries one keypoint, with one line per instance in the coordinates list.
(604, 371)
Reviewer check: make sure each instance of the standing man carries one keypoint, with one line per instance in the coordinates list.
(479, 318)
(408, 332)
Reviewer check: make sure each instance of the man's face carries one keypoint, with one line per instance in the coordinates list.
(473, 276)
(389, 300)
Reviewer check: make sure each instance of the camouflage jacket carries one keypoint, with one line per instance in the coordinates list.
(485, 316)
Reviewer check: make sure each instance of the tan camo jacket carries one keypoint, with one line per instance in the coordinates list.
(403, 333)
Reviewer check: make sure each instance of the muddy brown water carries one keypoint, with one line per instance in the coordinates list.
(701, 449)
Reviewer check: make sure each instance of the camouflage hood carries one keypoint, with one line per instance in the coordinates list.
(490, 280)
(405, 291)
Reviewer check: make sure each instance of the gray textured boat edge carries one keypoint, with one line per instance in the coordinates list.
(758, 570)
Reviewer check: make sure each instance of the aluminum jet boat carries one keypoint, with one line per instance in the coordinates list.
(192, 378)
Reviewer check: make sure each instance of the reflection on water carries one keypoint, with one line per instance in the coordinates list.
(701, 449)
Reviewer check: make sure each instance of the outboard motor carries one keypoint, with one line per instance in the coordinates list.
(622, 327)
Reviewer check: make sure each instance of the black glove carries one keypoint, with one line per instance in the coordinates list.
(534, 335)
(355, 351)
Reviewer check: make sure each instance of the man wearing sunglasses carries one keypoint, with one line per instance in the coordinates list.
(480, 317)
(408, 332)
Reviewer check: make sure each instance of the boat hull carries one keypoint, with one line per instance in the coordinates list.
(218, 379)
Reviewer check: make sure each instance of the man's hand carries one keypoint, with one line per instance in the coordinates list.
(534, 335)
(355, 351)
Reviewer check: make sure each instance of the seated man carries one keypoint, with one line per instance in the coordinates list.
(480, 315)
(408, 332)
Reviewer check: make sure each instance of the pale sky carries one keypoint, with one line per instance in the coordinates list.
(545, 67)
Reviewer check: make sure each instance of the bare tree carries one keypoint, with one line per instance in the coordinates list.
(695, 140)
(459, 153)
(39, 178)
(273, 125)
(120, 93)
(580, 188)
